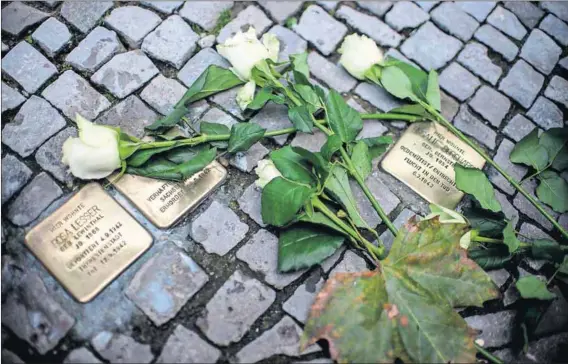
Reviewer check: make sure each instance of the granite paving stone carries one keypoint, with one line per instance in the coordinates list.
(564, 62)
(33, 314)
(541, 51)
(555, 318)
(507, 22)
(133, 23)
(393, 52)
(451, 18)
(405, 14)
(27, 66)
(527, 208)
(84, 15)
(81, 356)
(239, 302)
(333, 75)
(218, 229)
(388, 200)
(527, 13)
(300, 303)
(228, 101)
(517, 171)
(522, 83)
(499, 276)
(185, 346)
(163, 93)
(377, 96)
(472, 126)
(164, 284)
(249, 202)
(529, 233)
(49, 155)
(214, 115)
(119, 348)
(496, 329)
(328, 4)
(490, 104)
(458, 82)
(557, 90)
(99, 46)
(351, 263)
(290, 42)
(260, 253)
(369, 25)
(330, 261)
(450, 106)
(371, 129)
(72, 94)
(206, 41)
(52, 35)
(166, 7)
(198, 63)
(546, 114)
(430, 47)
(427, 5)
(274, 117)
(474, 58)
(387, 238)
(17, 17)
(131, 115)
(556, 28)
(509, 210)
(312, 142)
(478, 9)
(246, 161)
(125, 73)
(281, 10)
(15, 175)
(558, 8)
(172, 41)
(498, 42)
(379, 8)
(320, 29)
(10, 357)
(35, 122)
(5, 48)
(283, 339)
(547, 349)
(252, 16)
(204, 13)
(11, 98)
(563, 220)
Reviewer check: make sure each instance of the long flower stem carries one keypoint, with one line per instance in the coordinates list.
(488, 355)
(391, 116)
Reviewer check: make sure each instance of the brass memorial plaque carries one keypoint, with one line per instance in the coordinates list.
(88, 241)
(166, 202)
(423, 159)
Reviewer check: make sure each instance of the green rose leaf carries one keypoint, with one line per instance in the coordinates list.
(282, 199)
(320, 219)
(534, 287)
(320, 165)
(337, 184)
(183, 154)
(433, 91)
(377, 145)
(142, 156)
(412, 109)
(243, 136)
(395, 81)
(215, 129)
(300, 66)
(510, 239)
(403, 311)
(547, 249)
(213, 80)
(301, 118)
(553, 191)
(491, 258)
(374, 74)
(530, 152)
(474, 182)
(264, 95)
(305, 246)
(342, 118)
(293, 166)
(554, 141)
(362, 159)
(309, 95)
(331, 146)
(487, 223)
(167, 121)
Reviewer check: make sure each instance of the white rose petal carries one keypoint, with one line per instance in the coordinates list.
(246, 94)
(272, 44)
(266, 172)
(446, 216)
(358, 54)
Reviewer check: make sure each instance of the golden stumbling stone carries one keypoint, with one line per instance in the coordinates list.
(88, 241)
(164, 202)
(424, 158)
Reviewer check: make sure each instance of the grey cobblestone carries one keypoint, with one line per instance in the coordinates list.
(371, 128)
(517, 171)
(527, 13)
(545, 113)
(118, 348)
(458, 81)
(557, 90)
(99, 46)
(206, 41)
(204, 13)
(166, 7)
(478, 9)
(198, 63)
(11, 98)
(81, 356)
(28, 66)
(490, 104)
(51, 36)
(351, 263)
(472, 126)
(518, 127)
(131, 115)
(228, 101)
(17, 16)
(453, 19)
(507, 22)
(377, 96)
(427, 5)
(9, 357)
(450, 106)
(290, 42)
(541, 51)
(246, 161)
(164, 284)
(508, 209)
(163, 93)
(274, 117)
(15, 174)
(496, 329)
(545, 349)
(172, 41)
(560, 9)
(330, 261)
(556, 28)
(334, 76)
(252, 16)
(431, 47)
(234, 308)
(499, 276)
(379, 8)
(370, 26)
(564, 62)
(387, 238)
(185, 346)
(36, 122)
(495, 40)
(71, 94)
(299, 304)
(530, 232)
(522, 83)
(125, 73)
(524, 206)
(133, 23)
(214, 236)
(405, 14)
(554, 319)
(474, 57)
(320, 29)
(388, 200)
(49, 155)
(329, 5)
(249, 202)
(313, 143)
(280, 10)
(84, 15)
(215, 115)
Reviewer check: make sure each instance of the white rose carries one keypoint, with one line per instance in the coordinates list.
(359, 54)
(244, 51)
(94, 154)
(246, 94)
(266, 172)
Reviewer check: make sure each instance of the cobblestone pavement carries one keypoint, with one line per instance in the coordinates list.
(194, 298)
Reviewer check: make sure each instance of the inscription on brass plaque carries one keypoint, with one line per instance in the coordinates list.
(88, 241)
(423, 159)
(166, 202)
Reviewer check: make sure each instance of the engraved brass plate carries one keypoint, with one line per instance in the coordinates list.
(423, 159)
(164, 202)
(88, 241)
